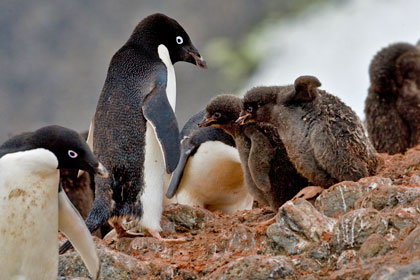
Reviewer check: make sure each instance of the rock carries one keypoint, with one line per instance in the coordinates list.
(353, 228)
(130, 245)
(320, 251)
(375, 245)
(404, 219)
(298, 224)
(406, 272)
(415, 180)
(411, 243)
(287, 239)
(308, 265)
(340, 198)
(187, 216)
(255, 267)
(345, 258)
(302, 217)
(375, 181)
(388, 196)
(115, 265)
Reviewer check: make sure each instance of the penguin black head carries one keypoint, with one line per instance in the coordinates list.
(67, 145)
(222, 111)
(159, 29)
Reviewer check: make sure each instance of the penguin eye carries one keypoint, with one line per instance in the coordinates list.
(217, 115)
(179, 40)
(249, 109)
(72, 154)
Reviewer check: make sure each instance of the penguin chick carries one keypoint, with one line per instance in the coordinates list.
(323, 137)
(209, 173)
(392, 106)
(269, 174)
(34, 207)
(134, 131)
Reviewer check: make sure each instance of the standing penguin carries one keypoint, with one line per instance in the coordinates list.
(324, 138)
(392, 106)
(134, 130)
(270, 176)
(209, 172)
(34, 207)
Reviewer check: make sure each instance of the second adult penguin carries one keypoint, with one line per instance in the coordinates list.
(209, 172)
(134, 130)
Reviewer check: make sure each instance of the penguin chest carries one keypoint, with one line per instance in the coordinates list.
(28, 223)
(213, 179)
(153, 179)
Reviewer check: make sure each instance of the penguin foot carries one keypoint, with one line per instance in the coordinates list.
(261, 227)
(156, 235)
(308, 193)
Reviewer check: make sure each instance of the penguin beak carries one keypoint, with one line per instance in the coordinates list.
(194, 57)
(101, 171)
(244, 119)
(207, 122)
(199, 61)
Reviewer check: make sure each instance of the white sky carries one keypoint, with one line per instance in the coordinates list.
(336, 44)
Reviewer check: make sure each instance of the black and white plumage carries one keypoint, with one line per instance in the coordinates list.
(134, 131)
(209, 172)
(33, 207)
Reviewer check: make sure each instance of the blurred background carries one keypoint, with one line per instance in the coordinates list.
(54, 55)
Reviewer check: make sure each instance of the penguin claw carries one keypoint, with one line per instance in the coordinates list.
(156, 235)
(308, 193)
(262, 226)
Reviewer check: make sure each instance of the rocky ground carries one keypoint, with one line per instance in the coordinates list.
(354, 230)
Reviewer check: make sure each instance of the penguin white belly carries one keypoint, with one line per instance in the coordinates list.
(29, 215)
(154, 170)
(213, 179)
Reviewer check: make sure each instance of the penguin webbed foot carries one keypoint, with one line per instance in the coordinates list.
(156, 234)
(309, 192)
(262, 226)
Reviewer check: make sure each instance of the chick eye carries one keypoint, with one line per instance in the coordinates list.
(217, 115)
(179, 40)
(72, 154)
(249, 109)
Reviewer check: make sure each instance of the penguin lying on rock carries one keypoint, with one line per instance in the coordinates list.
(269, 174)
(134, 131)
(324, 138)
(392, 106)
(33, 207)
(209, 173)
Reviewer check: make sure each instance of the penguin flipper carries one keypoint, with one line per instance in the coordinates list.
(72, 225)
(179, 172)
(159, 113)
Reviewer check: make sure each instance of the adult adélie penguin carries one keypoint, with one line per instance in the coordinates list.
(134, 131)
(33, 207)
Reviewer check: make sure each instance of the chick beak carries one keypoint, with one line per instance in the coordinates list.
(244, 119)
(199, 61)
(207, 122)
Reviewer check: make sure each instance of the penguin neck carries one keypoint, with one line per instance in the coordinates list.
(171, 79)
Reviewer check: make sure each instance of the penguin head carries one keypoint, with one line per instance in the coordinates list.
(68, 146)
(390, 65)
(159, 29)
(222, 112)
(257, 105)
